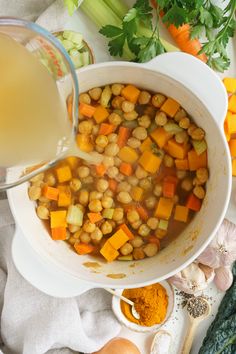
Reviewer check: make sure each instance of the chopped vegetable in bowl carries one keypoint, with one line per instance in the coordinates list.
(148, 187)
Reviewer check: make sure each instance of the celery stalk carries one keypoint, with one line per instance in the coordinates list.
(146, 32)
(118, 7)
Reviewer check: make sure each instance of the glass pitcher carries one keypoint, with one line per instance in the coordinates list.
(48, 50)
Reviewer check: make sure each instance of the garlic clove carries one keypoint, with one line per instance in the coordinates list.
(223, 278)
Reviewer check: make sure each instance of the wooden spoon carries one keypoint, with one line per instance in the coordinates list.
(131, 303)
(193, 324)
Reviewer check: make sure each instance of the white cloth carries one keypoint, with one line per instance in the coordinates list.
(32, 322)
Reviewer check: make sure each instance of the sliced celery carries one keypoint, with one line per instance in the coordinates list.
(118, 7)
(68, 45)
(130, 124)
(199, 146)
(159, 152)
(172, 128)
(74, 216)
(85, 58)
(125, 258)
(163, 224)
(108, 213)
(72, 36)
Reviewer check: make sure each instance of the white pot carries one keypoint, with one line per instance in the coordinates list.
(202, 95)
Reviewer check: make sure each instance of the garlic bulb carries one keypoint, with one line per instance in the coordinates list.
(223, 278)
(222, 250)
(192, 279)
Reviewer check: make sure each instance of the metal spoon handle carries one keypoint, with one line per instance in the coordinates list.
(131, 303)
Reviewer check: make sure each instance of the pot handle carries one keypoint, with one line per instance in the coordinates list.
(196, 75)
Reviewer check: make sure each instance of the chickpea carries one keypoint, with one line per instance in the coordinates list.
(191, 128)
(151, 202)
(168, 161)
(133, 142)
(133, 216)
(158, 190)
(161, 119)
(34, 192)
(116, 89)
(144, 97)
(68, 235)
(37, 178)
(108, 161)
(117, 102)
(126, 249)
(115, 118)
(140, 133)
(120, 177)
(130, 115)
(112, 149)
(146, 183)
(96, 235)
(199, 192)
(181, 137)
(160, 233)
(140, 172)
(88, 226)
(133, 180)
(184, 123)
(95, 195)
(150, 249)
(187, 184)
(84, 98)
(74, 229)
(118, 214)
(124, 197)
(72, 240)
(112, 172)
(112, 138)
(127, 106)
(137, 241)
(181, 174)
(135, 225)
(144, 121)
(123, 187)
(85, 127)
(88, 180)
(153, 223)
(108, 193)
(196, 182)
(102, 185)
(106, 228)
(85, 237)
(107, 202)
(81, 207)
(202, 174)
(158, 100)
(95, 205)
(75, 184)
(138, 253)
(83, 171)
(50, 179)
(95, 93)
(198, 134)
(42, 212)
(83, 197)
(38, 184)
(101, 141)
(95, 129)
(43, 199)
(144, 230)
(179, 115)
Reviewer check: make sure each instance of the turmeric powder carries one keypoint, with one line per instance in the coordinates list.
(151, 303)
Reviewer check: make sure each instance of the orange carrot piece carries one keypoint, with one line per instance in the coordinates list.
(170, 107)
(50, 192)
(123, 136)
(58, 233)
(83, 248)
(230, 84)
(142, 212)
(232, 103)
(231, 122)
(106, 129)
(193, 203)
(234, 167)
(112, 184)
(177, 150)
(100, 170)
(164, 208)
(86, 109)
(127, 231)
(181, 213)
(94, 217)
(100, 114)
(226, 130)
(126, 168)
(169, 189)
(196, 161)
(181, 164)
(160, 136)
(232, 147)
(84, 142)
(171, 179)
(130, 93)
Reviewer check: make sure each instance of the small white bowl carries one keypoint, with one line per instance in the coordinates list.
(136, 327)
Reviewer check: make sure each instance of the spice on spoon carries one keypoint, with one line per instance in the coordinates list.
(197, 306)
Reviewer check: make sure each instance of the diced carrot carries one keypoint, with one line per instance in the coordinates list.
(58, 233)
(106, 129)
(112, 184)
(100, 170)
(181, 164)
(164, 208)
(232, 103)
(118, 239)
(146, 144)
(196, 161)
(100, 114)
(231, 122)
(127, 231)
(86, 109)
(177, 150)
(137, 193)
(230, 84)
(123, 136)
(130, 93)
(181, 213)
(94, 217)
(84, 142)
(109, 252)
(50, 192)
(58, 218)
(83, 248)
(232, 147)
(142, 212)
(63, 173)
(128, 154)
(193, 203)
(126, 169)
(64, 198)
(153, 239)
(171, 179)
(169, 189)
(234, 167)
(170, 107)
(160, 136)
(226, 130)
(73, 162)
(150, 162)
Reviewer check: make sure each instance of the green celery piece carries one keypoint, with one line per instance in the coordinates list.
(130, 124)
(74, 52)
(73, 36)
(125, 258)
(85, 58)
(163, 224)
(119, 8)
(199, 146)
(172, 128)
(74, 216)
(77, 60)
(67, 44)
(108, 213)
(79, 46)
(60, 37)
(151, 127)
